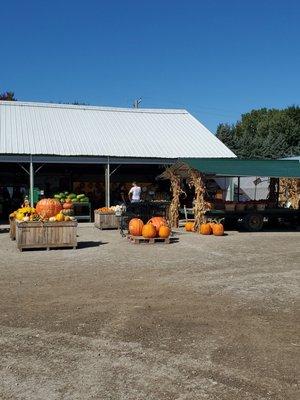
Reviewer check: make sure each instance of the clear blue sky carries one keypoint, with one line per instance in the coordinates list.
(216, 58)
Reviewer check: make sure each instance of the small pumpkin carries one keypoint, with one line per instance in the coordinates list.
(189, 226)
(60, 217)
(212, 224)
(67, 218)
(135, 227)
(157, 222)
(149, 231)
(164, 231)
(68, 205)
(218, 230)
(52, 219)
(205, 229)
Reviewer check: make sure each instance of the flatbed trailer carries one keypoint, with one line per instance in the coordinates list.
(253, 220)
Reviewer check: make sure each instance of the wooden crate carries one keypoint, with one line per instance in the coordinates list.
(12, 228)
(141, 239)
(38, 235)
(106, 221)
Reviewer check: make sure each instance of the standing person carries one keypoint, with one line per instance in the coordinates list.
(134, 193)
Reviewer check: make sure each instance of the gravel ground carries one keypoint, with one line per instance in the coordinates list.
(211, 318)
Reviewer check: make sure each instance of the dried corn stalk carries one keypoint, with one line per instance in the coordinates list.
(197, 180)
(289, 192)
(176, 192)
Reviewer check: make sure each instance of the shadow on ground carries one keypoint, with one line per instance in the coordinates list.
(90, 243)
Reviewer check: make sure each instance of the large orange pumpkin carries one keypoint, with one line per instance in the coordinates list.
(135, 227)
(218, 230)
(164, 231)
(157, 222)
(47, 208)
(189, 226)
(205, 229)
(149, 231)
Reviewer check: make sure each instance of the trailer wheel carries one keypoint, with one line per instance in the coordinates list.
(253, 222)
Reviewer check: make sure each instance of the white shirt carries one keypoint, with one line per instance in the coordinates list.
(136, 193)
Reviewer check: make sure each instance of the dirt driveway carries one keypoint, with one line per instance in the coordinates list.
(211, 318)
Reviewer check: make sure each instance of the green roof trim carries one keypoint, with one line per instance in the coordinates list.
(237, 167)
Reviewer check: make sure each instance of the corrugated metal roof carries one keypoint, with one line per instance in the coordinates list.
(69, 130)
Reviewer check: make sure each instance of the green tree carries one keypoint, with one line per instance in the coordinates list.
(9, 96)
(264, 133)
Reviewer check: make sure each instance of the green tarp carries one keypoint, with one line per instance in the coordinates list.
(236, 167)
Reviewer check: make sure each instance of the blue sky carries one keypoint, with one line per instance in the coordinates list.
(218, 59)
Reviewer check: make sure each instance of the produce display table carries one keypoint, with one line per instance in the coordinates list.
(12, 228)
(106, 220)
(37, 235)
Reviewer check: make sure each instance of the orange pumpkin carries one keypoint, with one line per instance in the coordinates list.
(149, 231)
(189, 226)
(205, 229)
(218, 230)
(48, 208)
(212, 224)
(135, 227)
(157, 222)
(164, 231)
(68, 205)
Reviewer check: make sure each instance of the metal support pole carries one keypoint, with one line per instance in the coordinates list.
(230, 189)
(31, 181)
(239, 188)
(107, 184)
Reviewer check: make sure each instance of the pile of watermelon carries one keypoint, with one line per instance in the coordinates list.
(75, 198)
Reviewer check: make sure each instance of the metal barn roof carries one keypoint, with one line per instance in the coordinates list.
(69, 130)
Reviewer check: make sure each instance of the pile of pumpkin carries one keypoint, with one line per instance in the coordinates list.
(106, 210)
(46, 210)
(207, 228)
(155, 227)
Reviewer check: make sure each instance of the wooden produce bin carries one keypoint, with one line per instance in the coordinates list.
(12, 228)
(106, 221)
(38, 235)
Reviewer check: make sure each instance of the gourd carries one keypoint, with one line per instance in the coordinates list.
(59, 217)
(149, 231)
(48, 208)
(164, 231)
(189, 226)
(157, 222)
(205, 229)
(52, 219)
(135, 227)
(218, 230)
(26, 218)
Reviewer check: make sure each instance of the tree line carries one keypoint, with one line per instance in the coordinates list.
(264, 134)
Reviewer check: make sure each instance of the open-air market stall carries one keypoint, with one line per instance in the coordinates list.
(284, 180)
(47, 149)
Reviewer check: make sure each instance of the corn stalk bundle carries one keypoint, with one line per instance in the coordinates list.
(197, 180)
(176, 192)
(289, 191)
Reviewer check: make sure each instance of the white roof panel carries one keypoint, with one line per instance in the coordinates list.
(69, 130)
